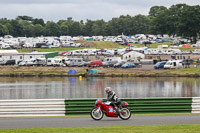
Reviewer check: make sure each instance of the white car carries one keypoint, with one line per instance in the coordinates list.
(23, 63)
(196, 51)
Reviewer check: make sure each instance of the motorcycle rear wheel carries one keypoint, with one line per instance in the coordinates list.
(96, 115)
(124, 113)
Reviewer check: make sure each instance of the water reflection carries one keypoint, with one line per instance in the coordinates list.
(71, 87)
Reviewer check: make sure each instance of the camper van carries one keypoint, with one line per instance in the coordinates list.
(174, 64)
(58, 62)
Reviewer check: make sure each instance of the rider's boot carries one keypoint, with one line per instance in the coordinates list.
(116, 110)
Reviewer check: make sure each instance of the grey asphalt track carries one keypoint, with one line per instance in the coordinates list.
(53, 122)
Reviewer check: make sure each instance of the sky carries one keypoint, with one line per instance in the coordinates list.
(54, 10)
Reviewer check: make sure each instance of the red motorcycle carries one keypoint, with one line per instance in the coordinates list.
(102, 108)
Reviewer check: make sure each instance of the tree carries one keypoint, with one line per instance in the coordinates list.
(189, 22)
(27, 28)
(38, 30)
(159, 24)
(140, 24)
(98, 27)
(156, 10)
(3, 30)
(26, 18)
(17, 28)
(38, 21)
(88, 27)
(52, 29)
(76, 29)
(64, 29)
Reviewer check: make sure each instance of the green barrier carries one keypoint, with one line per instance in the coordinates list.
(145, 105)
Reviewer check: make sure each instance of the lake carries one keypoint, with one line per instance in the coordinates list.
(75, 87)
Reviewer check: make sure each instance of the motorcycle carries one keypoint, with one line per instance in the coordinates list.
(102, 108)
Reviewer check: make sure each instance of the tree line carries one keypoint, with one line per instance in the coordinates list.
(181, 20)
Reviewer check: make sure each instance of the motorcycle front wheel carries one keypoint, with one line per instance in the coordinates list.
(124, 113)
(96, 114)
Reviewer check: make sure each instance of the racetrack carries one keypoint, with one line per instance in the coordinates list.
(53, 122)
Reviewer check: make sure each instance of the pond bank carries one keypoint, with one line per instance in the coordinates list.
(147, 71)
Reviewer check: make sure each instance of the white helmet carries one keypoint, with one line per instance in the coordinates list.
(107, 89)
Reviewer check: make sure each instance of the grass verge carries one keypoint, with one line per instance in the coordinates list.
(116, 129)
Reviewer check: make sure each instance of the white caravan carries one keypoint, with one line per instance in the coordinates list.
(112, 59)
(153, 51)
(174, 64)
(75, 61)
(133, 55)
(173, 51)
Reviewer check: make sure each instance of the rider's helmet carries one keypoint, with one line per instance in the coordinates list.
(107, 89)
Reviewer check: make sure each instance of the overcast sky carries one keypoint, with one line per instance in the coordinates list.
(82, 9)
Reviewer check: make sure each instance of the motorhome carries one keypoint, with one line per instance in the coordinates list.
(58, 62)
(174, 64)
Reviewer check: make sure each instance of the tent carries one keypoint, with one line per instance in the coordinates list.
(72, 71)
(92, 71)
(186, 45)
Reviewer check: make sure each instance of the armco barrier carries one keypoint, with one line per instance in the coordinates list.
(62, 107)
(146, 105)
(196, 105)
(32, 107)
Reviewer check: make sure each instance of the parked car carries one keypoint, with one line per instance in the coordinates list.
(160, 65)
(119, 64)
(84, 64)
(23, 63)
(36, 62)
(128, 65)
(196, 51)
(95, 63)
(7, 62)
(109, 64)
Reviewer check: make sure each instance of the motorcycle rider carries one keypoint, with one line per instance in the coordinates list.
(112, 96)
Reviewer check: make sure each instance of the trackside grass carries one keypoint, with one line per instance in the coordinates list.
(116, 129)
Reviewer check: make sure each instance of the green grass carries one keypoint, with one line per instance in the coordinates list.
(186, 71)
(100, 45)
(189, 48)
(50, 49)
(154, 45)
(116, 129)
(105, 44)
(39, 72)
